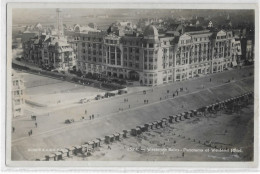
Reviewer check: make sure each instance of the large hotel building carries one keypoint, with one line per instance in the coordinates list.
(152, 58)
(148, 54)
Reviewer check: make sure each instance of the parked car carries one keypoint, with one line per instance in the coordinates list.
(84, 100)
(68, 121)
(98, 97)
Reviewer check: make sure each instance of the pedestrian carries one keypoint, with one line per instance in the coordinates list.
(182, 154)
(147, 101)
(173, 95)
(144, 101)
(86, 111)
(31, 132)
(13, 129)
(92, 116)
(36, 124)
(210, 79)
(160, 98)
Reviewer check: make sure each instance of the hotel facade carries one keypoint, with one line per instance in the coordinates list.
(152, 58)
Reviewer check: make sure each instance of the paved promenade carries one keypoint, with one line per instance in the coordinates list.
(113, 114)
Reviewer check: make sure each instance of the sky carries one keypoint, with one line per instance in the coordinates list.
(22, 16)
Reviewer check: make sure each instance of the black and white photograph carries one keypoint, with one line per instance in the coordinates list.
(125, 84)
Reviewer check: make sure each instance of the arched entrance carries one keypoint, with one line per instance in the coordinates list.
(133, 75)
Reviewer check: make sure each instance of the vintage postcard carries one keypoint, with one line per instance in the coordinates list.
(132, 85)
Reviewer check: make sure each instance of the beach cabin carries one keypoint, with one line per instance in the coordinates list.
(159, 123)
(109, 139)
(65, 153)
(126, 133)
(72, 151)
(96, 143)
(155, 125)
(84, 148)
(138, 131)
(134, 132)
(194, 112)
(187, 115)
(101, 140)
(90, 144)
(182, 116)
(47, 157)
(121, 135)
(178, 118)
(116, 136)
(148, 126)
(167, 120)
(171, 119)
(58, 156)
(52, 157)
(164, 122)
(78, 149)
(142, 128)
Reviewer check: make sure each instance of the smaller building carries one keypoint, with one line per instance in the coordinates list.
(17, 95)
(237, 52)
